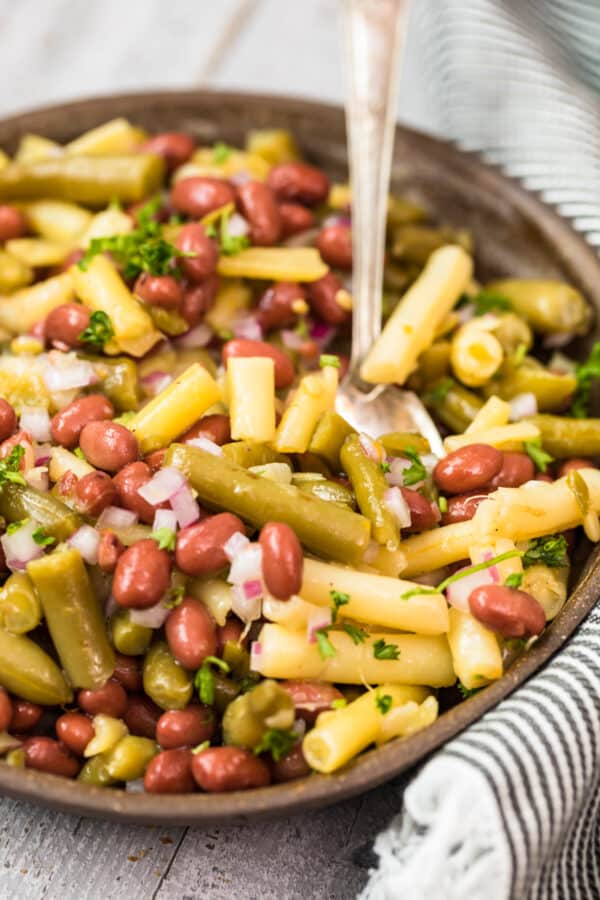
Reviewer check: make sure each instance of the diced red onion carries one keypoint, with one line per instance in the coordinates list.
(369, 447)
(458, 592)
(64, 371)
(337, 219)
(398, 507)
(561, 339)
(398, 465)
(205, 444)
(299, 727)
(430, 461)
(522, 406)
(240, 177)
(20, 547)
(237, 226)
(465, 313)
(322, 334)
(36, 421)
(156, 382)
(304, 238)
(86, 539)
(38, 478)
(247, 328)
(255, 654)
(252, 589)
(116, 517)
(493, 570)
(199, 336)
(154, 617)
(185, 506)
(247, 565)
(247, 609)
(319, 618)
(164, 518)
(291, 339)
(559, 362)
(42, 454)
(235, 545)
(163, 485)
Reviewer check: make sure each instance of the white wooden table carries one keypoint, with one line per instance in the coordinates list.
(62, 49)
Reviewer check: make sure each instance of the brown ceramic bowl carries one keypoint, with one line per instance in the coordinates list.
(515, 234)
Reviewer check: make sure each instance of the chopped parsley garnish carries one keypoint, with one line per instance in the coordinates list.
(443, 504)
(514, 580)
(537, 454)
(519, 355)
(385, 467)
(41, 538)
(585, 373)
(383, 702)
(381, 650)
(99, 331)
(301, 328)
(340, 703)
(328, 359)
(204, 679)
(221, 152)
(125, 417)
(79, 453)
(551, 550)
(175, 596)
(358, 635)
(516, 644)
(489, 301)
(229, 244)
(277, 742)
(439, 393)
(324, 645)
(469, 570)
(416, 472)
(338, 598)
(468, 692)
(10, 465)
(203, 746)
(15, 526)
(164, 537)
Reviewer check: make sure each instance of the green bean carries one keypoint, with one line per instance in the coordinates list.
(330, 491)
(433, 363)
(226, 690)
(401, 211)
(415, 243)
(513, 332)
(327, 530)
(551, 389)
(18, 502)
(328, 437)
(20, 609)
(128, 637)
(119, 381)
(237, 659)
(73, 616)
(169, 321)
(564, 437)
(165, 681)
(128, 759)
(369, 485)
(95, 771)
(454, 405)
(268, 705)
(247, 454)
(91, 180)
(27, 671)
(311, 464)
(550, 307)
(396, 443)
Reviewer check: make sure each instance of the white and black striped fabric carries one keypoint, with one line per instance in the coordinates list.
(511, 808)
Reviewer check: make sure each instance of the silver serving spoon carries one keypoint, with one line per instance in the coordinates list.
(374, 32)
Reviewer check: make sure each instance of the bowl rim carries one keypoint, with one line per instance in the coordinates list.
(383, 763)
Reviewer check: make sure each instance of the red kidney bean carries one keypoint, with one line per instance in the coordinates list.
(193, 239)
(191, 633)
(282, 560)
(6, 710)
(142, 575)
(170, 772)
(299, 181)
(423, 514)
(507, 611)
(110, 549)
(199, 195)
(311, 697)
(108, 445)
(175, 147)
(13, 223)
(219, 769)
(67, 483)
(8, 419)
(570, 465)
(291, 766)
(463, 507)
(110, 699)
(517, 468)
(159, 290)
(47, 755)
(198, 299)
(232, 631)
(154, 462)
(294, 219)
(141, 716)
(215, 427)
(257, 204)
(334, 243)
(128, 482)
(66, 426)
(467, 469)
(94, 492)
(128, 672)
(322, 300)
(284, 368)
(185, 727)
(199, 549)
(276, 305)
(75, 731)
(65, 323)
(25, 716)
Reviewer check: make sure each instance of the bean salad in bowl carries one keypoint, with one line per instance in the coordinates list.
(211, 582)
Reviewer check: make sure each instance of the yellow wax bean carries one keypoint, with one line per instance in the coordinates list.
(314, 395)
(493, 413)
(23, 309)
(251, 394)
(57, 220)
(475, 650)
(274, 264)
(504, 437)
(113, 137)
(37, 252)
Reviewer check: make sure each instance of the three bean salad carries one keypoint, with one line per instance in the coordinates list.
(211, 582)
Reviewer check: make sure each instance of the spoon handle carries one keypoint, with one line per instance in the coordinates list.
(374, 33)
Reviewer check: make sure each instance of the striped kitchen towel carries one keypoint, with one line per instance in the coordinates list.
(510, 809)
